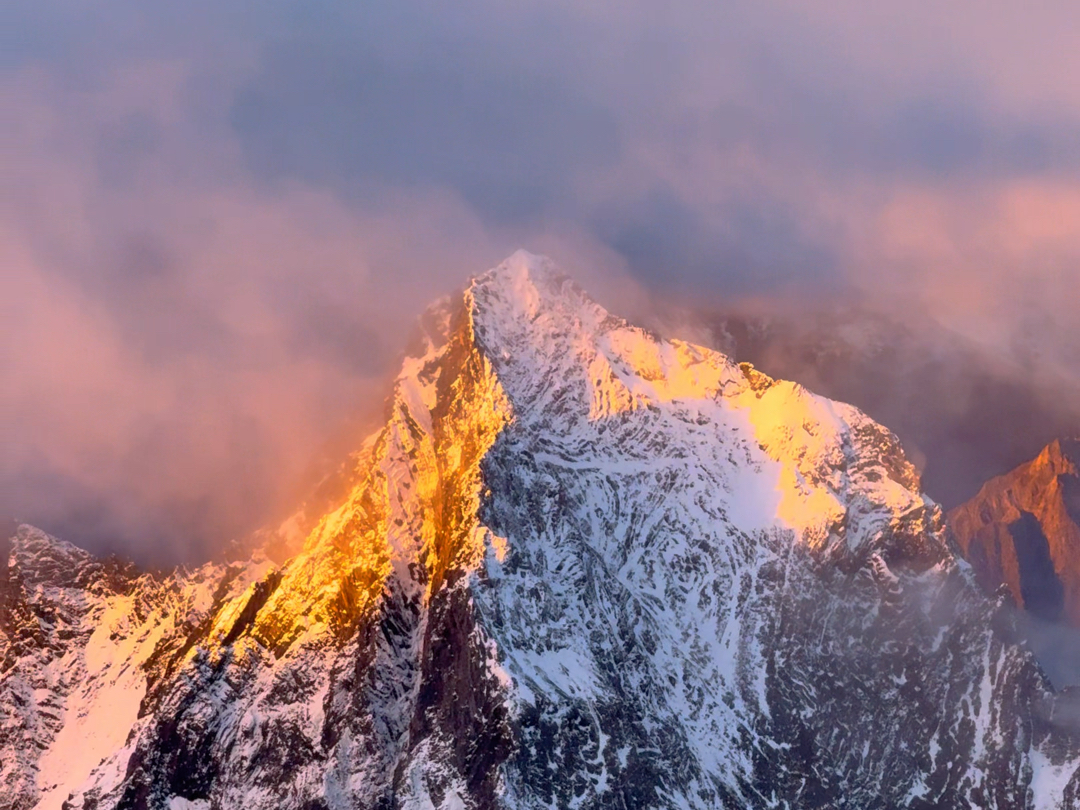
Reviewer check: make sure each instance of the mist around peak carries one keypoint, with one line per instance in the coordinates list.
(217, 225)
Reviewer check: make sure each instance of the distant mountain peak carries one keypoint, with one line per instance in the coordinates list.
(1022, 530)
(1062, 455)
(39, 553)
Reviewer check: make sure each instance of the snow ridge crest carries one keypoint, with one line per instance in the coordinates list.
(842, 479)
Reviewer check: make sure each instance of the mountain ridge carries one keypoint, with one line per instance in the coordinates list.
(962, 410)
(581, 567)
(1022, 530)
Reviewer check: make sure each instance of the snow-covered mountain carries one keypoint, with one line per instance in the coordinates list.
(580, 567)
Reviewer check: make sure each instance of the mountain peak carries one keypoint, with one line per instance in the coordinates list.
(40, 557)
(569, 367)
(521, 265)
(1063, 455)
(579, 566)
(1023, 530)
(518, 291)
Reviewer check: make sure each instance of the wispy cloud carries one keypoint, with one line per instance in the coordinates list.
(218, 220)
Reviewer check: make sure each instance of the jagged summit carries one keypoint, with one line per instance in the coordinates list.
(40, 557)
(558, 354)
(1063, 454)
(579, 566)
(1022, 530)
(37, 558)
(521, 266)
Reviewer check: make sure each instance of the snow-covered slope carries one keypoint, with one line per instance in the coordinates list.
(581, 567)
(963, 411)
(78, 643)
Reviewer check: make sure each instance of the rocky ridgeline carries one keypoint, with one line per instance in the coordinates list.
(1023, 531)
(582, 567)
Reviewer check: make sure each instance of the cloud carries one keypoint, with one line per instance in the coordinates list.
(218, 221)
(997, 260)
(340, 115)
(179, 336)
(177, 342)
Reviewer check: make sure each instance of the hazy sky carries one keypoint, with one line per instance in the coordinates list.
(217, 219)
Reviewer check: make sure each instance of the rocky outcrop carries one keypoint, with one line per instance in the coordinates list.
(1023, 531)
(580, 566)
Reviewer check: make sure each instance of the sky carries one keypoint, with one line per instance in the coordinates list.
(218, 220)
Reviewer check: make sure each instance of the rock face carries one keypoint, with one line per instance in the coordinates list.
(580, 566)
(1023, 531)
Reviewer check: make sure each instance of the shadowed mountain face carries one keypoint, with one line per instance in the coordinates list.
(1023, 531)
(1040, 587)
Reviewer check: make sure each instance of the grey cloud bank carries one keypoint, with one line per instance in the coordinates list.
(219, 220)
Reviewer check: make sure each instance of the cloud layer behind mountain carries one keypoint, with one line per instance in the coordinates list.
(218, 219)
